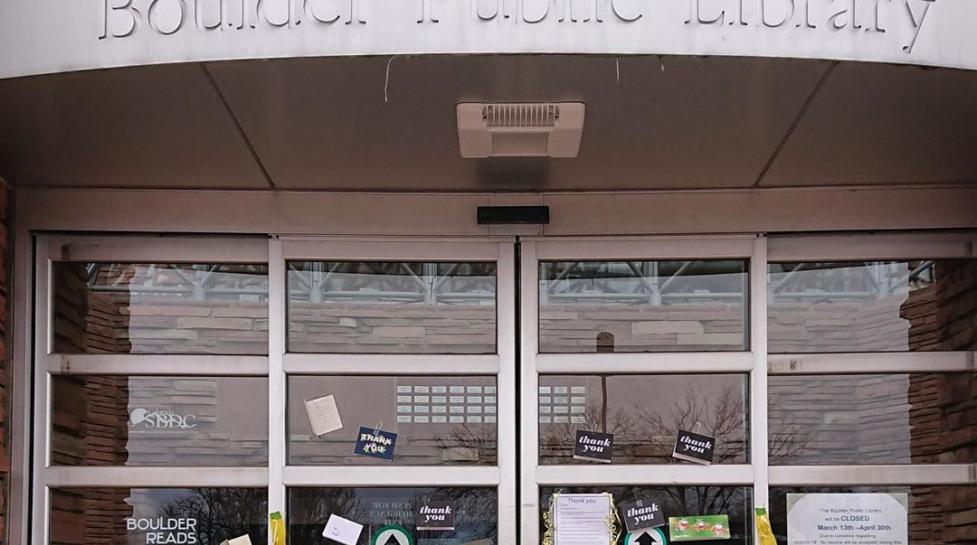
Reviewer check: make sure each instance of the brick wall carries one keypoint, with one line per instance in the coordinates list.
(4, 365)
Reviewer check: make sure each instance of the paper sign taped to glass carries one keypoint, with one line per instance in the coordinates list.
(392, 534)
(276, 524)
(323, 415)
(243, 540)
(342, 530)
(582, 519)
(698, 528)
(858, 519)
(648, 536)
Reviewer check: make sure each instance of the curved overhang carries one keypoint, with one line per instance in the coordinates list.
(49, 36)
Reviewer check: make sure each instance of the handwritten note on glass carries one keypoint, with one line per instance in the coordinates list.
(323, 415)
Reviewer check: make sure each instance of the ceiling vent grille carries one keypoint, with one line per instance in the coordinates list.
(520, 130)
(521, 115)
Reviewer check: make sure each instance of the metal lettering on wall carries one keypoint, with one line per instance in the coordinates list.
(111, 33)
(123, 18)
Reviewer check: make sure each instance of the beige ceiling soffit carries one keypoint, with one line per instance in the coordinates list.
(794, 124)
(238, 126)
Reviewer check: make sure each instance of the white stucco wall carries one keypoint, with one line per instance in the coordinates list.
(44, 36)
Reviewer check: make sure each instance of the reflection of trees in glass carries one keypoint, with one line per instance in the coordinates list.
(722, 417)
(649, 434)
(309, 509)
(558, 439)
(222, 513)
(480, 441)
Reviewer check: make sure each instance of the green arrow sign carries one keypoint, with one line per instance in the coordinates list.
(392, 535)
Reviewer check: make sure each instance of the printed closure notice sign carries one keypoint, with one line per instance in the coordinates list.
(847, 519)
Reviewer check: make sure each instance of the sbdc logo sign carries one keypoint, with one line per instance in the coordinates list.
(161, 419)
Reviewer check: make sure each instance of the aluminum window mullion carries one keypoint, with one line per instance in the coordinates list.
(388, 475)
(136, 249)
(674, 362)
(150, 477)
(507, 446)
(277, 381)
(393, 364)
(677, 248)
(40, 525)
(759, 455)
(849, 247)
(872, 362)
(146, 365)
(873, 475)
(529, 394)
(652, 475)
(387, 249)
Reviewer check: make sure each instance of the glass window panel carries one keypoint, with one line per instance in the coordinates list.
(388, 307)
(919, 418)
(157, 516)
(679, 501)
(897, 306)
(431, 430)
(159, 421)
(938, 514)
(159, 308)
(476, 519)
(643, 306)
(644, 412)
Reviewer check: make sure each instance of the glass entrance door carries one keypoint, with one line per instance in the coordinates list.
(437, 390)
(639, 340)
(187, 388)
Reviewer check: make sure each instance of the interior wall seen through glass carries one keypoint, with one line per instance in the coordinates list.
(643, 306)
(392, 307)
(160, 308)
(144, 516)
(868, 306)
(644, 413)
(900, 418)
(447, 420)
(159, 421)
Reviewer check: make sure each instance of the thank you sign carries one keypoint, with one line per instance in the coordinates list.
(435, 516)
(693, 447)
(640, 514)
(376, 443)
(594, 446)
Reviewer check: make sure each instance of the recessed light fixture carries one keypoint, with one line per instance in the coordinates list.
(543, 129)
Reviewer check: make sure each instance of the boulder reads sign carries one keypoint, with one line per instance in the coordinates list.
(165, 531)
